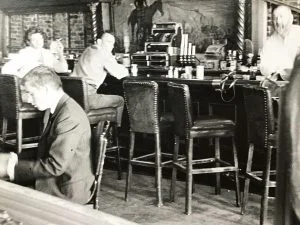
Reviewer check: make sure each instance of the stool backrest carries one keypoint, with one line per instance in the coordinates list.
(141, 98)
(76, 88)
(10, 96)
(181, 107)
(259, 115)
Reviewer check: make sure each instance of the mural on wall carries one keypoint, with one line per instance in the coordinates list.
(140, 20)
(203, 20)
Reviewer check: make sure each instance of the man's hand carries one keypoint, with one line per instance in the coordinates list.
(8, 161)
(286, 73)
(4, 157)
(57, 48)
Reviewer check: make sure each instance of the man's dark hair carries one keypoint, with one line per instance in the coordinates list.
(31, 31)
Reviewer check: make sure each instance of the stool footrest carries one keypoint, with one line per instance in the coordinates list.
(215, 170)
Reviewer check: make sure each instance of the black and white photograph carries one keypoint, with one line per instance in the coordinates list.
(151, 112)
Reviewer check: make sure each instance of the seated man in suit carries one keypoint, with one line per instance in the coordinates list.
(63, 166)
(94, 64)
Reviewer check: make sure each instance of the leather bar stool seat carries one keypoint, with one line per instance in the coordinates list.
(12, 108)
(141, 98)
(104, 114)
(262, 142)
(187, 127)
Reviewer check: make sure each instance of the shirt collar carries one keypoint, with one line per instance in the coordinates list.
(55, 102)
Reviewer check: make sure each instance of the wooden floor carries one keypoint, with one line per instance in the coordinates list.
(208, 209)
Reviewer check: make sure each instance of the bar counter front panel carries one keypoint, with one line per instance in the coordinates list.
(32, 207)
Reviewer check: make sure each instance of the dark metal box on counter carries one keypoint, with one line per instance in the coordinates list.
(160, 59)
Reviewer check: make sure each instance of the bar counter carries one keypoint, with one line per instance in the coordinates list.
(204, 94)
(32, 207)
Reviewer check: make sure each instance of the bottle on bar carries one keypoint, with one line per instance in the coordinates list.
(239, 62)
(228, 59)
(258, 61)
(233, 63)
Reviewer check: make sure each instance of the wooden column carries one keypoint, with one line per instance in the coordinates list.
(259, 23)
(241, 26)
(93, 8)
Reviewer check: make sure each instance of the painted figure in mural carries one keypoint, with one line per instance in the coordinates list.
(143, 20)
(34, 54)
(140, 3)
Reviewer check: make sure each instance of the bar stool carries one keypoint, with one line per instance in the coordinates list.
(99, 135)
(12, 108)
(262, 141)
(141, 98)
(76, 87)
(187, 127)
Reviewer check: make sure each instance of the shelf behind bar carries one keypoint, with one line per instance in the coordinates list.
(292, 4)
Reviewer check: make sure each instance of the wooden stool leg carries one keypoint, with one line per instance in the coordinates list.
(174, 170)
(217, 157)
(265, 194)
(118, 157)
(247, 180)
(129, 172)
(4, 129)
(237, 181)
(158, 176)
(19, 135)
(189, 178)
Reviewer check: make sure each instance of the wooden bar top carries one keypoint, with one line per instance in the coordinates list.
(36, 208)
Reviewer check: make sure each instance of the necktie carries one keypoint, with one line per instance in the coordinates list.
(47, 121)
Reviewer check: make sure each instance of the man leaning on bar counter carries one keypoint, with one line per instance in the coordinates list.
(282, 47)
(93, 65)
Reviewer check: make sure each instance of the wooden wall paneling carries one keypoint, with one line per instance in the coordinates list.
(69, 32)
(106, 20)
(16, 33)
(61, 28)
(76, 30)
(88, 29)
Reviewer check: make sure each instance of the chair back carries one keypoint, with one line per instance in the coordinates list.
(76, 88)
(141, 98)
(259, 115)
(181, 107)
(10, 96)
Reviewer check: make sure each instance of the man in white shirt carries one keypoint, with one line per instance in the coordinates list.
(94, 64)
(34, 54)
(281, 48)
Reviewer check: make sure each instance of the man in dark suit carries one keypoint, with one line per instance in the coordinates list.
(63, 166)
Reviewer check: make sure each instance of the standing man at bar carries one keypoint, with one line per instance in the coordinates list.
(94, 64)
(34, 54)
(279, 52)
(63, 167)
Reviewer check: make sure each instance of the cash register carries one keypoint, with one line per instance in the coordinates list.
(214, 54)
(161, 48)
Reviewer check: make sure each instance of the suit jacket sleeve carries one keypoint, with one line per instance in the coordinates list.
(62, 146)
